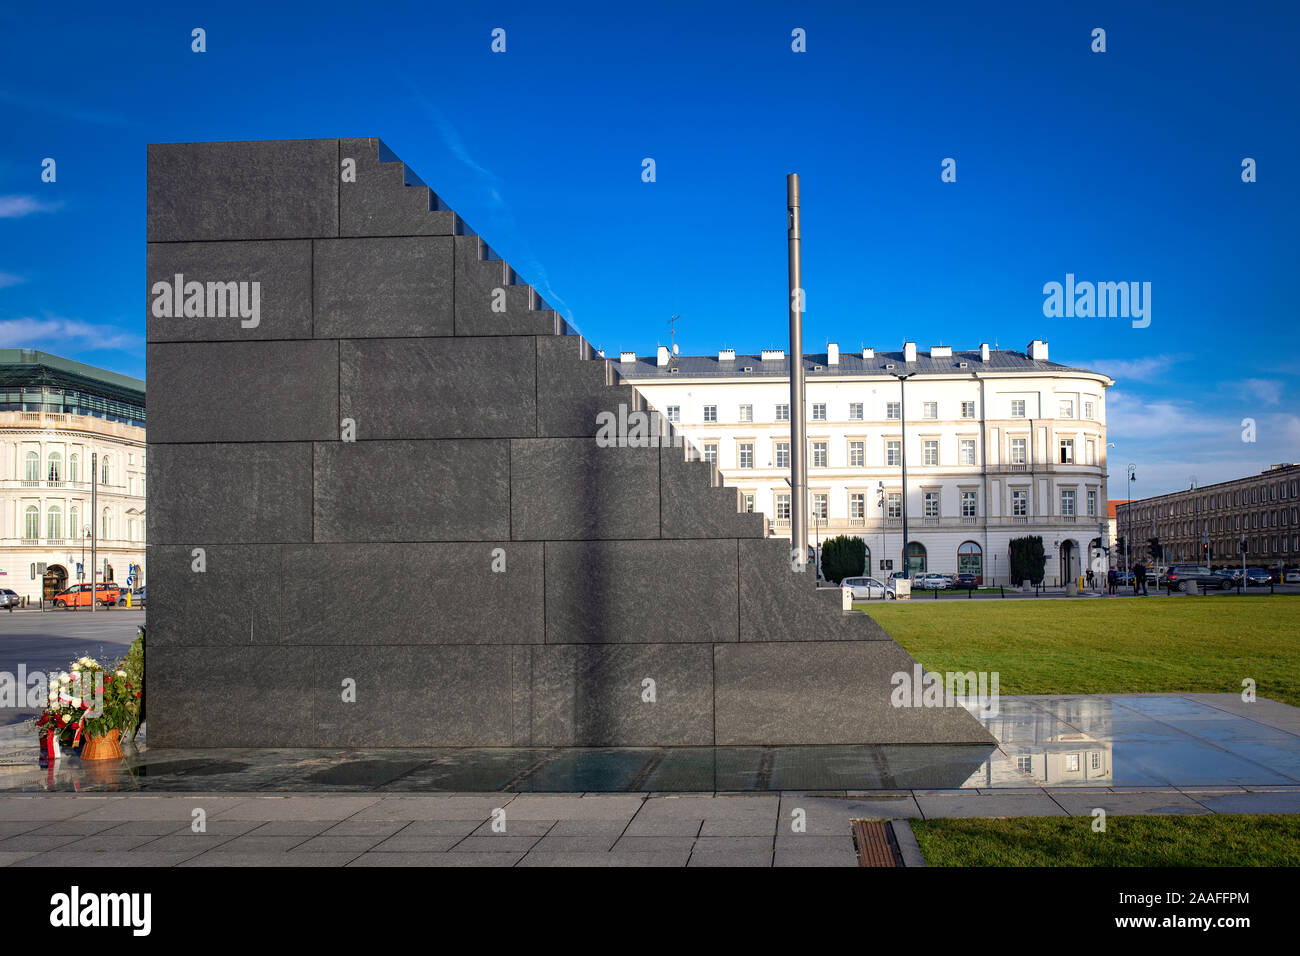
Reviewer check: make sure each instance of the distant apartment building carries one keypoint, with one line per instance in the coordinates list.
(64, 425)
(1205, 525)
(998, 444)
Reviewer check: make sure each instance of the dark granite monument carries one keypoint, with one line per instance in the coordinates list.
(379, 516)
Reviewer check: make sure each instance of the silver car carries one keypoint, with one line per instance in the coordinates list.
(869, 589)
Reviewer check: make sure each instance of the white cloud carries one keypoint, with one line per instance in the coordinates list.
(6, 279)
(15, 207)
(1149, 369)
(1266, 390)
(55, 335)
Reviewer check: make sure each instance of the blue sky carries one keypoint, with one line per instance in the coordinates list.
(1115, 166)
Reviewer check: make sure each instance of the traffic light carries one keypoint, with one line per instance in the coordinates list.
(1157, 552)
(1244, 549)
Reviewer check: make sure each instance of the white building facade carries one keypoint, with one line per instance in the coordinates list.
(57, 417)
(998, 445)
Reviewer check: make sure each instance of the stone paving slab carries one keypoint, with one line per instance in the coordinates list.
(650, 858)
(1119, 804)
(729, 858)
(991, 805)
(1251, 802)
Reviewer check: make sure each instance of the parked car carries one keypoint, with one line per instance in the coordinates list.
(9, 599)
(966, 580)
(1232, 574)
(933, 581)
(79, 595)
(1189, 577)
(869, 589)
(1258, 577)
(137, 598)
(1293, 576)
(1124, 577)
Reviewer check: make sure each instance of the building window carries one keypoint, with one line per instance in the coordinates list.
(1067, 408)
(1071, 763)
(54, 522)
(1018, 451)
(783, 454)
(1025, 764)
(930, 500)
(711, 453)
(819, 412)
(893, 411)
(1067, 502)
(1090, 449)
(857, 454)
(1067, 451)
(1092, 502)
(74, 468)
(1017, 408)
(930, 452)
(857, 505)
(746, 413)
(746, 456)
(1090, 413)
(894, 505)
(1019, 503)
(893, 453)
(783, 413)
(970, 560)
(967, 451)
(54, 468)
(930, 410)
(710, 413)
(820, 455)
(74, 522)
(819, 506)
(31, 469)
(674, 413)
(968, 504)
(104, 473)
(107, 522)
(782, 507)
(967, 409)
(32, 522)
(855, 411)
(749, 504)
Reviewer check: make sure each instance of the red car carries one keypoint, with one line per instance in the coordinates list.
(106, 594)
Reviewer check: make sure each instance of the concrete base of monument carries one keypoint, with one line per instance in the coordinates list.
(740, 694)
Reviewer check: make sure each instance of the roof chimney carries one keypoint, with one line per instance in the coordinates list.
(664, 356)
(726, 355)
(627, 358)
(600, 353)
(868, 354)
(832, 354)
(984, 351)
(1037, 350)
(909, 351)
(940, 351)
(773, 355)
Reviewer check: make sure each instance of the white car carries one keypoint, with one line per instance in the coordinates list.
(934, 581)
(869, 589)
(1293, 577)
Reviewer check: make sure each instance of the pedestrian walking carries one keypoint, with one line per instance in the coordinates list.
(1139, 579)
(1110, 580)
(1090, 579)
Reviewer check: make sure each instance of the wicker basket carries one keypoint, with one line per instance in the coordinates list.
(103, 748)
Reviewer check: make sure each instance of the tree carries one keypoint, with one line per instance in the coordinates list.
(1027, 559)
(843, 557)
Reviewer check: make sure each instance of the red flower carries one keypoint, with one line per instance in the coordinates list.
(139, 693)
(108, 680)
(85, 706)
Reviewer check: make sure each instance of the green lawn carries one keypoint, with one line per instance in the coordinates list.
(1113, 646)
(1212, 840)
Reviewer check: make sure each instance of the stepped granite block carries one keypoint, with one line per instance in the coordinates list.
(284, 391)
(644, 592)
(778, 605)
(383, 287)
(436, 387)
(281, 271)
(235, 599)
(286, 189)
(566, 488)
(637, 606)
(594, 695)
(455, 490)
(292, 696)
(445, 593)
(229, 493)
(379, 203)
(693, 506)
(480, 284)
(819, 692)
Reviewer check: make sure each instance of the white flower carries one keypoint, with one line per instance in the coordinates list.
(76, 703)
(121, 673)
(64, 677)
(77, 666)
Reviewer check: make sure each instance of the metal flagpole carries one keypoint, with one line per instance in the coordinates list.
(798, 459)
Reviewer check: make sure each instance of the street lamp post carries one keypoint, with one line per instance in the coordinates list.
(94, 506)
(880, 503)
(902, 417)
(1128, 538)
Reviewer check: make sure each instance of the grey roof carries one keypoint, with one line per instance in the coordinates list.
(851, 363)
